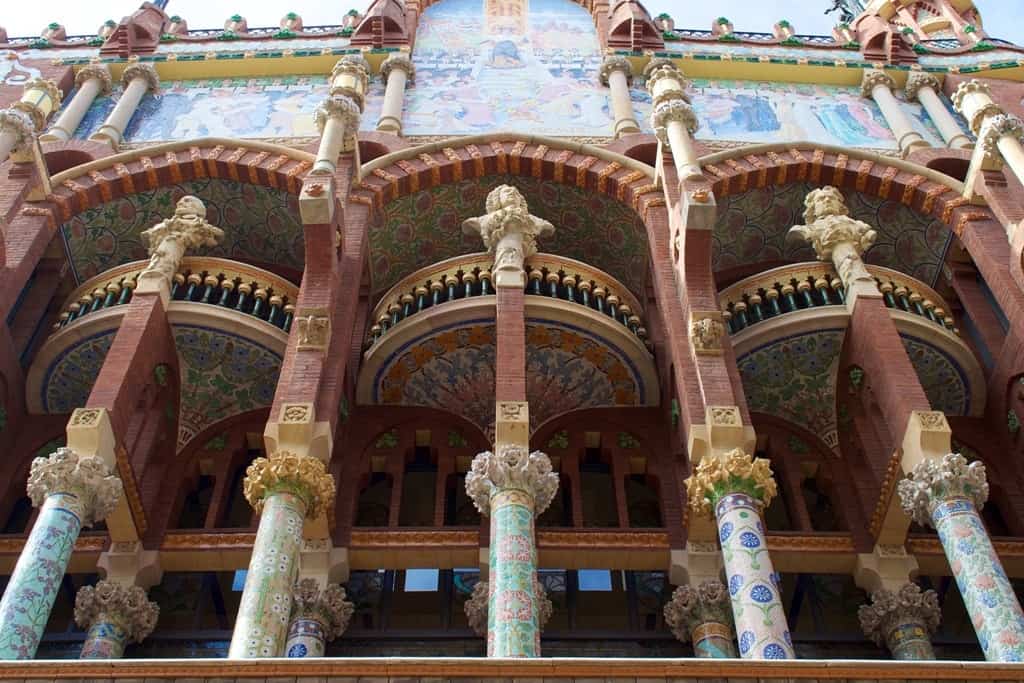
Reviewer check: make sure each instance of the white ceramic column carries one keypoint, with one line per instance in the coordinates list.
(91, 82)
(924, 87)
(337, 117)
(673, 119)
(16, 131)
(878, 85)
(973, 100)
(397, 70)
(136, 80)
(999, 134)
(617, 73)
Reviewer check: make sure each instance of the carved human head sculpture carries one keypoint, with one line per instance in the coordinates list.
(825, 201)
(505, 197)
(189, 206)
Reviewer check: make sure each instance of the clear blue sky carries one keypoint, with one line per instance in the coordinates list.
(1002, 17)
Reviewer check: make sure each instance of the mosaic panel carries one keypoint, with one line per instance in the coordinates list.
(752, 226)
(261, 225)
(426, 227)
(14, 70)
(222, 375)
(943, 380)
(69, 379)
(794, 378)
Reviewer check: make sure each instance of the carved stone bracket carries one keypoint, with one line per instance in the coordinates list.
(303, 476)
(127, 606)
(327, 606)
(736, 472)
(88, 478)
(934, 481)
(511, 468)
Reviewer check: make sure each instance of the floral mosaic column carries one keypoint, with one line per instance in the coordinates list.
(512, 486)
(286, 488)
(477, 611)
(903, 621)
(703, 615)
(318, 617)
(737, 486)
(947, 493)
(74, 492)
(115, 615)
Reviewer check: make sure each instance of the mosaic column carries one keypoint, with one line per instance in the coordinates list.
(617, 74)
(317, 617)
(924, 88)
(512, 486)
(737, 487)
(878, 85)
(947, 494)
(287, 489)
(397, 70)
(903, 621)
(74, 492)
(703, 615)
(337, 118)
(136, 81)
(476, 608)
(91, 81)
(22, 120)
(114, 614)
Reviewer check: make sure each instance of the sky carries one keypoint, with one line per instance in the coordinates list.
(807, 16)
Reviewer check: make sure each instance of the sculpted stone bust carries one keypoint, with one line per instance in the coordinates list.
(510, 231)
(168, 239)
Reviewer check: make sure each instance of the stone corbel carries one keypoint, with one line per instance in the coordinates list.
(927, 436)
(512, 423)
(321, 561)
(701, 561)
(886, 567)
(296, 430)
(128, 563)
(723, 430)
(316, 201)
(707, 332)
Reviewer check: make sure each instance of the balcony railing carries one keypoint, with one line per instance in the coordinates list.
(802, 286)
(464, 277)
(218, 282)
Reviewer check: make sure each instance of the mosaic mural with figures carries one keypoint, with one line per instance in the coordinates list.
(222, 375)
(566, 368)
(752, 226)
(426, 227)
(69, 379)
(261, 225)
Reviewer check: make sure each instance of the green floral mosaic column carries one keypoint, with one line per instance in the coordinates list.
(903, 621)
(512, 487)
(285, 488)
(115, 615)
(318, 617)
(739, 486)
(74, 492)
(703, 615)
(947, 494)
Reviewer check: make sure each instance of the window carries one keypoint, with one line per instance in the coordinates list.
(595, 580)
(421, 580)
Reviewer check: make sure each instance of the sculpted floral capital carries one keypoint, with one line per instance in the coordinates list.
(615, 63)
(88, 478)
(284, 471)
(327, 606)
(512, 467)
(918, 81)
(692, 607)
(341, 108)
(19, 124)
(889, 610)
(128, 606)
(144, 71)
(874, 78)
(673, 110)
(400, 61)
(971, 87)
(169, 239)
(995, 129)
(735, 472)
(100, 72)
(934, 481)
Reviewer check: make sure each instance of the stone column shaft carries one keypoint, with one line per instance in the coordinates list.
(397, 71)
(16, 131)
(878, 86)
(337, 117)
(616, 73)
(92, 81)
(924, 87)
(674, 122)
(137, 80)
(1010, 148)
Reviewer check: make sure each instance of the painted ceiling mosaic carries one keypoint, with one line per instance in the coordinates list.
(942, 379)
(69, 379)
(222, 375)
(453, 369)
(261, 226)
(426, 227)
(752, 227)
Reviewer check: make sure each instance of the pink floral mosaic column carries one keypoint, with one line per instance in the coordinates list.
(739, 486)
(74, 492)
(512, 487)
(114, 615)
(947, 494)
(286, 488)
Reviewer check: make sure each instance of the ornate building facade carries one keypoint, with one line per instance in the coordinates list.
(503, 339)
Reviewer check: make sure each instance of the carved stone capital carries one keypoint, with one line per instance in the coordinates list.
(735, 472)
(615, 63)
(169, 239)
(511, 468)
(673, 110)
(400, 61)
(100, 72)
(327, 606)
(692, 607)
(918, 80)
(64, 471)
(144, 71)
(339, 108)
(971, 87)
(127, 606)
(994, 129)
(476, 607)
(19, 124)
(828, 224)
(874, 78)
(284, 471)
(707, 331)
(658, 63)
(509, 231)
(889, 610)
(934, 481)
(350, 77)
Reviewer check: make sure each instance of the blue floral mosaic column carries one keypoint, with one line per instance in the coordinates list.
(285, 488)
(737, 486)
(74, 492)
(318, 617)
(903, 621)
(947, 494)
(114, 615)
(512, 487)
(703, 615)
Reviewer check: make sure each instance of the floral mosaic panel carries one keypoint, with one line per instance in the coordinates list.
(69, 379)
(943, 380)
(222, 375)
(261, 225)
(752, 227)
(794, 378)
(426, 227)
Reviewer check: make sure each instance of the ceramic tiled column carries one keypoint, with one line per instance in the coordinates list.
(287, 489)
(737, 486)
(74, 492)
(878, 85)
(924, 87)
(703, 615)
(318, 617)
(114, 615)
(91, 81)
(137, 80)
(903, 621)
(513, 487)
(947, 494)
(397, 70)
(477, 611)
(617, 73)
